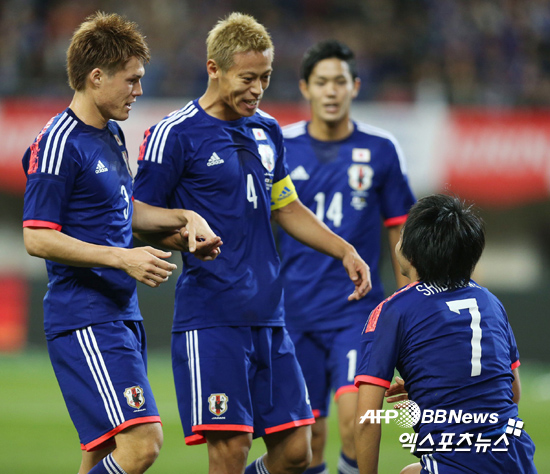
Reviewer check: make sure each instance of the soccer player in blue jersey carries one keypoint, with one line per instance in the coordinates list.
(451, 341)
(78, 215)
(235, 370)
(352, 176)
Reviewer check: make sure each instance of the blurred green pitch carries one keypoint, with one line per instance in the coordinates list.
(36, 434)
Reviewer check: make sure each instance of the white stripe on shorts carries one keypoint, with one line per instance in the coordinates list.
(192, 340)
(101, 376)
(430, 464)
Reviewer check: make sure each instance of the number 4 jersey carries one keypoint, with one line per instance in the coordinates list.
(454, 349)
(232, 173)
(79, 183)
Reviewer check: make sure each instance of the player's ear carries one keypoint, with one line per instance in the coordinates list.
(356, 87)
(304, 90)
(96, 76)
(212, 69)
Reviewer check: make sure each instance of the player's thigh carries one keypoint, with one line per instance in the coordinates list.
(102, 375)
(312, 352)
(412, 469)
(212, 378)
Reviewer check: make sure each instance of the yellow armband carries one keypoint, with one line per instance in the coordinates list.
(282, 193)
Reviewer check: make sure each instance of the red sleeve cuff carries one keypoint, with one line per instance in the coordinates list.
(516, 364)
(393, 221)
(361, 379)
(41, 224)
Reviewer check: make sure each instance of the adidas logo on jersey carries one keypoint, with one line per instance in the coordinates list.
(299, 174)
(100, 168)
(214, 160)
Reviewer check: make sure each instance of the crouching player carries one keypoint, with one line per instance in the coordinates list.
(451, 341)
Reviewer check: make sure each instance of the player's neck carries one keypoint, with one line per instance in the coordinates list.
(214, 105)
(329, 131)
(86, 110)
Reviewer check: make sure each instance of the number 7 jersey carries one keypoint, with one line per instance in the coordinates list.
(232, 173)
(454, 349)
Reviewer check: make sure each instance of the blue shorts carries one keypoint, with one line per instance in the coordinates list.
(328, 360)
(518, 459)
(102, 373)
(238, 379)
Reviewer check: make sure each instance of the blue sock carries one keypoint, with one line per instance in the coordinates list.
(257, 467)
(320, 469)
(347, 465)
(107, 466)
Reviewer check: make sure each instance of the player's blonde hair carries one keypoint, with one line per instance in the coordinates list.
(237, 33)
(106, 41)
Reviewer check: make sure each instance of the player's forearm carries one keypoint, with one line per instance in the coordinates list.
(394, 233)
(166, 240)
(55, 246)
(301, 224)
(148, 218)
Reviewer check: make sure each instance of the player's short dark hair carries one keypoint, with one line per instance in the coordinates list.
(326, 50)
(443, 239)
(106, 41)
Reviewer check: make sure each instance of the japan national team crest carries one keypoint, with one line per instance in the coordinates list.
(217, 403)
(268, 157)
(134, 396)
(360, 177)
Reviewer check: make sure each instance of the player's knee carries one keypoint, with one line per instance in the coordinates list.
(297, 457)
(141, 447)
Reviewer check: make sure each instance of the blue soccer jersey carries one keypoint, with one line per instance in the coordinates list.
(79, 183)
(455, 351)
(352, 185)
(233, 173)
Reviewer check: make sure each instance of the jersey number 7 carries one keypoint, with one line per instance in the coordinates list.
(471, 305)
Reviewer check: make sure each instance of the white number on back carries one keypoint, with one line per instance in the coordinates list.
(471, 305)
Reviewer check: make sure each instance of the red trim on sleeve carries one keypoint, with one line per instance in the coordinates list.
(106, 439)
(360, 379)
(287, 426)
(345, 389)
(393, 221)
(516, 364)
(41, 224)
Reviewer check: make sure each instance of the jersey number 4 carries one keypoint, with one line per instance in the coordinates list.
(471, 305)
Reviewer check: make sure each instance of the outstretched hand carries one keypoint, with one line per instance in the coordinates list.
(147, 266)
(359, 273)
(396, 392)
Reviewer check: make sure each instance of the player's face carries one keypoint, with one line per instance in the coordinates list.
(117, 92)
(330, 90)
(242, 86)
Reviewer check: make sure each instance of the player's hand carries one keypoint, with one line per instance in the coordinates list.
(359, 273)
(147, 266)
(196, 231)
(205, 249)
(396, 392)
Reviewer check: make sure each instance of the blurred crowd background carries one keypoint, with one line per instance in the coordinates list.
(465, 52)
(464, 85)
